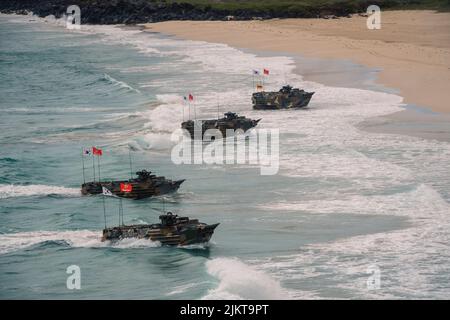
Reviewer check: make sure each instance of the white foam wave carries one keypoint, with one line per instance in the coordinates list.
(182, 288)
(169, 98)
(77, 239)
(411, 260)
(238, 280)
(52, 110)
(415, 204)
(211, 57)
(12, 190)
(161, 121)
(198, 246)
(119, 83)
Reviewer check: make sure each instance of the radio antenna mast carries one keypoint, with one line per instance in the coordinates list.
(131, 167)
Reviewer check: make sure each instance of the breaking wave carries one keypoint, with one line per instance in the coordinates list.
(160, 122)
(118, 83)
(238, 281)
(12, 190)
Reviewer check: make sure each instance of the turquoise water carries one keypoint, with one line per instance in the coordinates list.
(342, 201)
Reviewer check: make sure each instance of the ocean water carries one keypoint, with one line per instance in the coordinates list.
(344, 201)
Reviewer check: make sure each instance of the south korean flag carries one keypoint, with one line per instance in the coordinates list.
(106, 192)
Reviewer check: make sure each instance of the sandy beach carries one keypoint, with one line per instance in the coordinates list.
(411, 51)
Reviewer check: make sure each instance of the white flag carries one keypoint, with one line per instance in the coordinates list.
(106, 192)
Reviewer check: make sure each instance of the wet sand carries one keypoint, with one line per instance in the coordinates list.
(418, 123)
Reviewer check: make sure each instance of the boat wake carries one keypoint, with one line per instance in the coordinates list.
(76, 239)
(12, 190)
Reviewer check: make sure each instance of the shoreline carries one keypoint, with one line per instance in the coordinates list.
(414, 120)
(406, 56)
(418, 119)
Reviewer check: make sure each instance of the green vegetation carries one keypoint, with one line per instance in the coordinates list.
(278, 6)
(142, 11)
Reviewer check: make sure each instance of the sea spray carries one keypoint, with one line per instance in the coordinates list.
(238, 280)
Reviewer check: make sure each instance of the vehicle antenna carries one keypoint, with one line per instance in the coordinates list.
(104, 209)
(164, 205)
(218, 110)
(98, 163)
(82, 161)
(121, 210)
(93, 164)
(131, 167)
(195, 112)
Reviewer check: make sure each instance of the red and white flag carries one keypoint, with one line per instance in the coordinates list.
(266, 72)
(191, 97)
(126, 187)
(96, 151)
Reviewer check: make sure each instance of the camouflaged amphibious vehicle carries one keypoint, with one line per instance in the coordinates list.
(172, 230)
(145, 185)
(286, 98)
(230, 123)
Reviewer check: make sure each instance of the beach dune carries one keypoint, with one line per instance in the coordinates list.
(411, 50)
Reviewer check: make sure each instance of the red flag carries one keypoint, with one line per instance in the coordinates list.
(266, 72)
(126, 187)
(191, 97)
(96, 152)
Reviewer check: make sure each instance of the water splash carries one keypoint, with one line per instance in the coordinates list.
(12, 190)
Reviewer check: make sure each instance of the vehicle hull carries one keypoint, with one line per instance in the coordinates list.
(140, 189)
(176, 235)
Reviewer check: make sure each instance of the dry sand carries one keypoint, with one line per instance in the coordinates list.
(412, 48)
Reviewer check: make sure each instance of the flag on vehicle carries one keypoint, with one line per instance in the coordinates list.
(191, 97)
(106, 192)
(266, 72)
(126, 187)
(96, 151)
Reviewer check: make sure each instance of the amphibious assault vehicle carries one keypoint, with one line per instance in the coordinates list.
(286, 98)
(144, 186)
(172, 230)
(225, 125)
